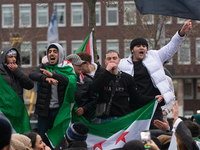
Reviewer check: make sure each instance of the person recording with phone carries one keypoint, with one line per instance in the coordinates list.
(117, 90)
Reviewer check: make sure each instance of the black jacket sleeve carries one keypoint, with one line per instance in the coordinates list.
(24, 80)
(186, 136)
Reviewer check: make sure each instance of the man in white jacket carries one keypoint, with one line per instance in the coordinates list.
(147, 67)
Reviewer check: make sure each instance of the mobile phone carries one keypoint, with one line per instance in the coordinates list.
(145, 136)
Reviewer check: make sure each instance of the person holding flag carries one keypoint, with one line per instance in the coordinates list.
(13, 81)
(56, 86)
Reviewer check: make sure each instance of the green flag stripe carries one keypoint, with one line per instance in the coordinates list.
(107, 129)
(83, 45)
(13, 108)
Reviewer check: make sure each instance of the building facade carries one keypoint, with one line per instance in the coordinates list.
(117, 23)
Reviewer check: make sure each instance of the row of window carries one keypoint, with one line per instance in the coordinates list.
(184, 53)
(77, 15)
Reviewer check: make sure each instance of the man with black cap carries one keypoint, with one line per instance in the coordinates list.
(147, 67)
(53, 80)
(5, 134)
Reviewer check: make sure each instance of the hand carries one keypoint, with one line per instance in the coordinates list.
(47, 148)
(46, 73)
(186, 27)
(111, 67)
(160, 98)
(52, 81)
(12, 66)
(175, 111)
(161, 125)
(79, 111)
(153, 145)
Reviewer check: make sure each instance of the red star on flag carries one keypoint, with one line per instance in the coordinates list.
(99, 145)
(122, 138)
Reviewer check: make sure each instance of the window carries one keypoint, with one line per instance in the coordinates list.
(198, 51)
(26, 54)
(76, 14)
(42, 15)
(98, 13)
(61, 14)
(148, 19)
(198, 89)
(188, 89)
(151, 43)
(99, 51)
(129, 13)
(113, 45)
(127, 51)
(76, 45)
(8, 16)
(184, 53)
(112, 14)
(41, 51)
(6, 44)
(63, 44)
(168, 20)
(181, 20)
(25, 15)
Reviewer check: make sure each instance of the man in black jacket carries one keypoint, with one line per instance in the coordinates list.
(52, 87)
(11, 72)
(126, 93)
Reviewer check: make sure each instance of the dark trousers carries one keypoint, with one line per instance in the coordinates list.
(46, 123)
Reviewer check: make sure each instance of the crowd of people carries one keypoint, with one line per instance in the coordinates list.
(101, 94)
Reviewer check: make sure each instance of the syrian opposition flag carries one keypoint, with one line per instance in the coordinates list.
(13, 109)
(52, 34)
(87, 46)
(116, 133)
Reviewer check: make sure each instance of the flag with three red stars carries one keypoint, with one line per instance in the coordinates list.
(116, 133)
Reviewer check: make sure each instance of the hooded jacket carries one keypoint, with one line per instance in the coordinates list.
(44, 91)
(16, 79)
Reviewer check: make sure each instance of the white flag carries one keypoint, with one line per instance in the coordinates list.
(52, 35)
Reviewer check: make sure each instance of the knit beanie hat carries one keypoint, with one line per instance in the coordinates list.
(5, 133)
(138, 41)
(77, 131)
(19, 142)
(11, 52)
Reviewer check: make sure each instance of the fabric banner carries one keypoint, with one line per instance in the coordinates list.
(189, 9)
(13, 108)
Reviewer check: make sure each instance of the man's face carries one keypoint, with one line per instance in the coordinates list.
(85, 67)
(139, 52)
(112, 57)
(53, 56)
(77, 69)
(11, 59)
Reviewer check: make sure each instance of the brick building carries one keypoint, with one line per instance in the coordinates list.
(117, 23)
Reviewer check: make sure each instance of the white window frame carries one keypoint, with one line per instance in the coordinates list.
(99, 51)
(98, 10)
(112, 48)
(117, 14)
(181, 20)
(38, 50)
(30, 54)
(148, 22)
(11, 6)
(197, 46)
(25, 11)
(179, 54)
(59, 10)
(169, 21)
(64, 48)
(6, 44)
(75, 42)
(127, 51)
(45, 10)
(134, 9)
(81, 10)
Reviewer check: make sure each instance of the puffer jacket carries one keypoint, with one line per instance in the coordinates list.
(16, 79)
